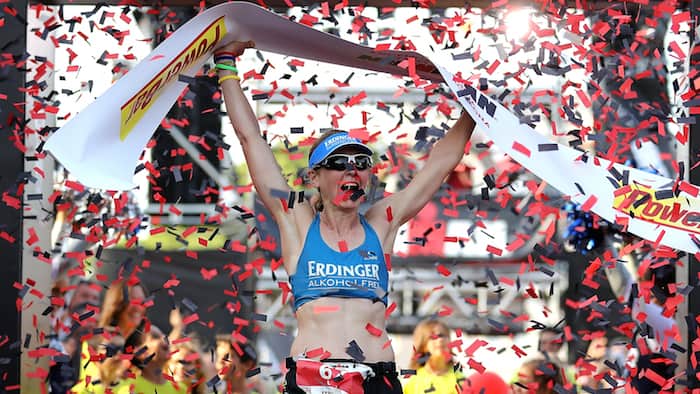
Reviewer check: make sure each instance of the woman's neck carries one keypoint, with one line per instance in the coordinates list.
(153, 373)
(437, 366)
(339, 221)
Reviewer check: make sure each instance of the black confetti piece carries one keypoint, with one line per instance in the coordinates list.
(252, 372)
(547, 147)
(354, 351)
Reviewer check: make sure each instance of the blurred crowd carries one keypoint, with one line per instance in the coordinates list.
(104, 342)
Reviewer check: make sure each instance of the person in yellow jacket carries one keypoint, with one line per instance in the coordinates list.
(432, 361)
(151, 360)
(102, 376)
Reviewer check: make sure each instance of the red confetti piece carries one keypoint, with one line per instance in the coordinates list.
(494, 250)
(57, 301)
(445, 311)
(245, 275)
(516, 244)
(37, 293)
(325, 9)
(189, 231)
(313, 353)
(521, 148)
(208, 274)
(74, 185)
(11, 201)
(171, 283)
(493, 66)
(471, 349)
(33, 237)
(356, 99)
(157, 230)
(191, 318)
(373, 330)
(326, 308)
(180, 340)
(688, 188)
(518, 351)
(342, 246)
(389, 310)
(7, 237)
(590, 202)
(444, 271)
(475, 365)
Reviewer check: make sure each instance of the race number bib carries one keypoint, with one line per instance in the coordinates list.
(316, 377)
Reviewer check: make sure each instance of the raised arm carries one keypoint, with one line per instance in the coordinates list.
(443, 158)
(263, 168)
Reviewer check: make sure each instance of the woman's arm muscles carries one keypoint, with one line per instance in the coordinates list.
(443, 158)
(263, 167)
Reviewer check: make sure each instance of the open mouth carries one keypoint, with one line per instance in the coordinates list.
(350, 186)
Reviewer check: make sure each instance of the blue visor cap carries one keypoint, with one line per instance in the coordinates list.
(333, 143)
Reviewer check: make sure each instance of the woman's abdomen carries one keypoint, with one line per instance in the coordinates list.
(345, 328)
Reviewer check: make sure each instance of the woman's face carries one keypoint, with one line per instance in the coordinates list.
(437, 344)
(338, 186)
(526, 377)
(157, 344)
(183, 362)
(132, 316)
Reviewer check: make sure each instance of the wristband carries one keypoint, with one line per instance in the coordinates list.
(227, 77)
(224, 58)
(221, 66)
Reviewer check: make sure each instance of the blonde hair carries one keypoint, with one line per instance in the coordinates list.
(421, 335)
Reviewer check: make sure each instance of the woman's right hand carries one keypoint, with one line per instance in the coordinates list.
(236, 47)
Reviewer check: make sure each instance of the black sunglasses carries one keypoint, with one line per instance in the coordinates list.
(342, 162)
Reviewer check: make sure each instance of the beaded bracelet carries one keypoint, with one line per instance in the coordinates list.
(227, 77)
(221, 66)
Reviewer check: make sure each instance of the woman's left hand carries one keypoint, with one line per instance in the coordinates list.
(236, 47)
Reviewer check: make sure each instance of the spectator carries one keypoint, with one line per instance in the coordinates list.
(432, 360)
(63, 373)
(538, 377)
(151, 360)
(191, 368)
(234, 362)
(122, 313)
(76, 319)
(83, 292)
(550, 343)
(604, 366)
(658, 302)
(654, 374)
(110, 367)
(123, 305)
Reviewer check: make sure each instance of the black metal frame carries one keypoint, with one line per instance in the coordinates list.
(14, 41)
